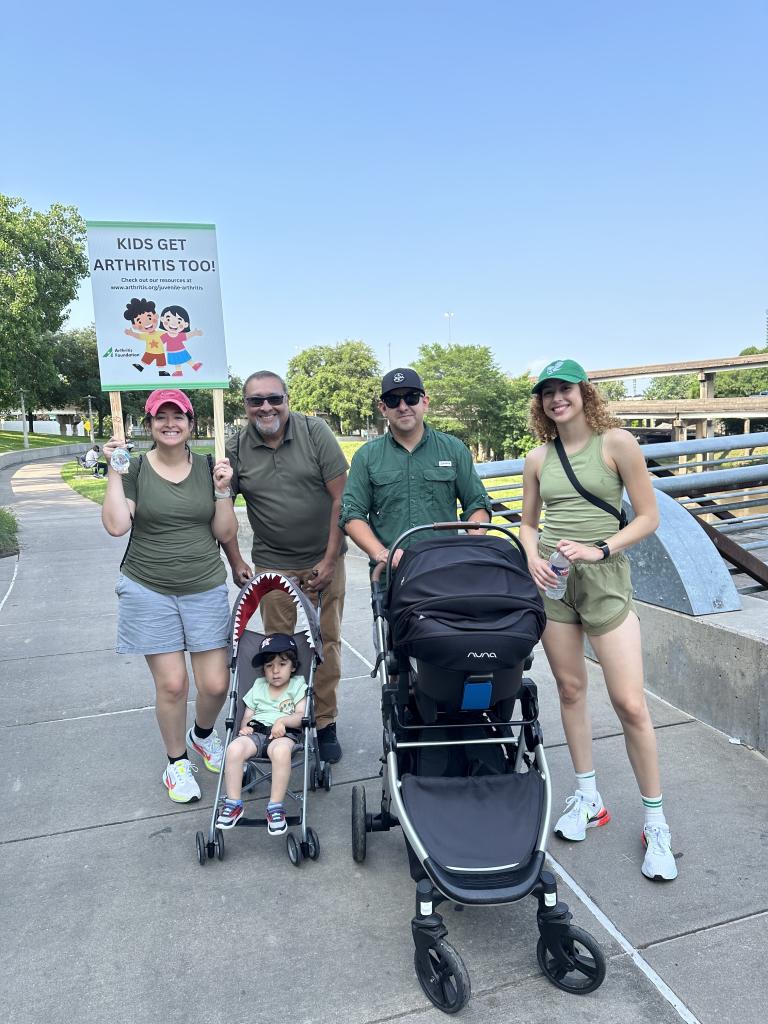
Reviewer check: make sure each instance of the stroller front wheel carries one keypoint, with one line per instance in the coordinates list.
(359, 838)
(294, 850)
(443, 977)
(200, 843)
(580, 966)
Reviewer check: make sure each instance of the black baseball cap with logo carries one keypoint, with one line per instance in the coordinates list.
(276, 643)
(402, 377)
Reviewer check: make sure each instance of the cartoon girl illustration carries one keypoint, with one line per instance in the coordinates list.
(175, 320)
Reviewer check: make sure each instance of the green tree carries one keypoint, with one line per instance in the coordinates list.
(76, 360)
(338, 381)
(519, 440)
(42, 259)
(681, 385)
(742, 383)
(612, 390)
(469, 395)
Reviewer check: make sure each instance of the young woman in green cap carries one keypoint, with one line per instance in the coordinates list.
(598, 595)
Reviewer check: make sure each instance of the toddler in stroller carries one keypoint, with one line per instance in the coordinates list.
(465, 779)
(279, 714)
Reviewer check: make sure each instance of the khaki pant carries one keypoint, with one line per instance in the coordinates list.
(278, 615)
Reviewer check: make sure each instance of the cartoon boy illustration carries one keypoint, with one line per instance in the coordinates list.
(175, 320)
(141, 313)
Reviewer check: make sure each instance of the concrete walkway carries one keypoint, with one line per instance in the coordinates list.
(106, 915)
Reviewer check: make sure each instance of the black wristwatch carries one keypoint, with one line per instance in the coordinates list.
(604, 548)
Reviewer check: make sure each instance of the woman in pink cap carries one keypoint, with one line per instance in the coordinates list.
(172, 586)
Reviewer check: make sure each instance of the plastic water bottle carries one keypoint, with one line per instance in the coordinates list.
(120, 460)
(560, 566)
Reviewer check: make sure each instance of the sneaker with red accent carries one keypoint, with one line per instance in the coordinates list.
(582, 811)
(211, 749)
(230, 813)
(276, 823)
(659, 862)
(179, 780)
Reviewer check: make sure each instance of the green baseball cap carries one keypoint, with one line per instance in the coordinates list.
(561, 369)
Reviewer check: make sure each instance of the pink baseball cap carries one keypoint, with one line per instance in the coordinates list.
(168, 395)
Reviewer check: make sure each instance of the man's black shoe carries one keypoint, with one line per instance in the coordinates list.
(328, 745)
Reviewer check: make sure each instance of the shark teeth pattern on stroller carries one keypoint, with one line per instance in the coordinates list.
(244, 643)
(465, 774)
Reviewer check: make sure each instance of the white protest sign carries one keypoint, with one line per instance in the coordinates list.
(157, 305)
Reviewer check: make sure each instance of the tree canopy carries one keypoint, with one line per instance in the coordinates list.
(42, 259)
(339, 381)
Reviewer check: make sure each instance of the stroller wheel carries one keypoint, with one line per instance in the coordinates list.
(582, 968)
(358, 824)
(443, 977)
(313, 844)
(327, 778)
(219, 841)
(200, 843)
(313, 778)
(294, 850)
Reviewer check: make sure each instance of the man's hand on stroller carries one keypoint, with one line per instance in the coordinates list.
(320, 576)
(241, 572)
(383, 555)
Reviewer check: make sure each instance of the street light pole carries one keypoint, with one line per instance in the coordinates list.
(90, 419)
(24, 426)
(449, 317)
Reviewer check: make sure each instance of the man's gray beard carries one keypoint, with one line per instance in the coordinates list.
(266, 431)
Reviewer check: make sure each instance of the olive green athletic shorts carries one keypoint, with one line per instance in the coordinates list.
(598, 595)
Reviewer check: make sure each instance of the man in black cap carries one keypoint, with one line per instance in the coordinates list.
(410, 476)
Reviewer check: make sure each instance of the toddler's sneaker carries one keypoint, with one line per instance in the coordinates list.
(581, 812)
(211, 749)
(659, 862)
(276, 823)
(230, 814)
(180, 782)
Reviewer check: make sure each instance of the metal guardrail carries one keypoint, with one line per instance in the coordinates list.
(698, 492)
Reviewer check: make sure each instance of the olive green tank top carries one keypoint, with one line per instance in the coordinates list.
(566, 513)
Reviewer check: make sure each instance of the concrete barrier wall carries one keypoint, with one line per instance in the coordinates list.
(26, 455)
(714, 668)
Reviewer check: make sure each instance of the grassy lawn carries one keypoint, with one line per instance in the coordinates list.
(9, 544)
(13, 440)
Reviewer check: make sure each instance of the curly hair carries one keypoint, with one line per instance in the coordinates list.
(596, 411)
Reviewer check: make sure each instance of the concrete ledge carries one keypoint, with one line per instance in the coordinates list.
(714, 668)
(25, 455)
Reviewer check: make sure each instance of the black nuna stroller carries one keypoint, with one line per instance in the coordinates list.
(243, 645)
(465, 777)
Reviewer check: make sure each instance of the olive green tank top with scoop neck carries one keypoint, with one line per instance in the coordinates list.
(566, 513)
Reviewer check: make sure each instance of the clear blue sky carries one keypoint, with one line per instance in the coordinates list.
(582, 179)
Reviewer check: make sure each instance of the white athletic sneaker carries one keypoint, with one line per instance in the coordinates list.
(659, 863)
(582, 811)
(180, 782)
(211, 749)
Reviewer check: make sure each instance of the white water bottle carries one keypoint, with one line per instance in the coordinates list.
(560, 566)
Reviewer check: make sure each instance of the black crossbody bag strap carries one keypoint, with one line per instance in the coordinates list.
(593, 498)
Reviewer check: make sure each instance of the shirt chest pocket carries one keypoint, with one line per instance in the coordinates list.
(440, 487)
(388, 491)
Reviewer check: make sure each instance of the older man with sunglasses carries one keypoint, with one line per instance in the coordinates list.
(412, 475)
(291, 471)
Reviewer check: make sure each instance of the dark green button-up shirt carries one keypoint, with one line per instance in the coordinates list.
(394, 490)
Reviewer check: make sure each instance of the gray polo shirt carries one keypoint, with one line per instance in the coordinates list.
(288, 505)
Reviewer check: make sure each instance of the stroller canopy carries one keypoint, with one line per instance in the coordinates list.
(453, 594)
(250, 597)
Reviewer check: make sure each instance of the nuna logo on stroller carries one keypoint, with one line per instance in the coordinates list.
(465, 775)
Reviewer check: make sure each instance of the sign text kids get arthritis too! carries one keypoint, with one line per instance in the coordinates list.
(157, 304)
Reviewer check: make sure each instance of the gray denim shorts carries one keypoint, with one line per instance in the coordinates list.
(152, 623)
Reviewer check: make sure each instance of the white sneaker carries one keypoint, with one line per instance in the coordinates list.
(659, 862)
(180, 782)
(582, 811)
(211, 749)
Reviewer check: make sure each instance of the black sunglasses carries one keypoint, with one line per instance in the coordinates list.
(261, 399)
(410, 398)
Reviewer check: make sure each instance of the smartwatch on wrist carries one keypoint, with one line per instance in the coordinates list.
(604, 548)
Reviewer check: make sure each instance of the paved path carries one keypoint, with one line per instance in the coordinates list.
(107, 917)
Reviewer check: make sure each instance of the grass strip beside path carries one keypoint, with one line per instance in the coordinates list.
(9, 542)
(13, 440)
